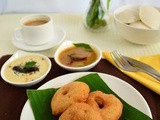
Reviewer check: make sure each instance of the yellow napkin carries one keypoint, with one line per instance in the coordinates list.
(141, 77)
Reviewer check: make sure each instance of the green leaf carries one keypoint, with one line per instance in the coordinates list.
(108, 4)
(29, 64)
(94, 18)
(86, 46)
(40, 100)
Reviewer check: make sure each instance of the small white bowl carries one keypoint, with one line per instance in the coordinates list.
(67, 44)
(19, 54)
(136, 35)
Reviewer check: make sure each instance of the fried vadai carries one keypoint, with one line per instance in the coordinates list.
(80, 111)
(74, 92)
(107, 105)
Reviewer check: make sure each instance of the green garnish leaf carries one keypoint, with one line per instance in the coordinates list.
(86, 46)
(30, 64)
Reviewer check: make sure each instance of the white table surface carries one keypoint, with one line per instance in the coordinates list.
(73, 25)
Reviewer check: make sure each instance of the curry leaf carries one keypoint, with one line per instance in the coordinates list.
(30, 64)
(86, 46)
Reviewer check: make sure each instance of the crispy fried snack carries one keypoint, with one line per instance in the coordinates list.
(107, 105)
(80, 111)
(75, 92)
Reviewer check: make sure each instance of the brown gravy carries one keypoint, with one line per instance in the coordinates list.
(77, 57)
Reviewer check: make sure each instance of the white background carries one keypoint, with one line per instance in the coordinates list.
(60, 6)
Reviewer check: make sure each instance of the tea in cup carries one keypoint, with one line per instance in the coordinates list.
(35, 29)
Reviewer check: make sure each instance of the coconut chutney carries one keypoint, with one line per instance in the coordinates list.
(26, 68)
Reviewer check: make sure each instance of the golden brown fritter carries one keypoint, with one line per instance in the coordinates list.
(107, 105)
(74, 92)
(80, 111)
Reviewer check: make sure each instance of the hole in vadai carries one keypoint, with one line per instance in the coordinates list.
(65, 92)
(99, 102)
(85, 111)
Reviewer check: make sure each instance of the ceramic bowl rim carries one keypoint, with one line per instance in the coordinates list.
(25, 83)
(116, 19)
(98, 50)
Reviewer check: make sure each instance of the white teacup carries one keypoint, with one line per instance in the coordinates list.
(35, 29)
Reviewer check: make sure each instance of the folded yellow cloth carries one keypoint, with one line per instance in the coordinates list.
(141, 77)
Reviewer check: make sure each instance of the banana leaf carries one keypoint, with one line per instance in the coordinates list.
(40, 100)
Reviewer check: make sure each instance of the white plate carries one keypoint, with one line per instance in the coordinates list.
(121, 88)
(58, 38)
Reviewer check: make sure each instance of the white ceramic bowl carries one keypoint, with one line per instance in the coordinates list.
(136, 35)
(67, 44)
(19, 54)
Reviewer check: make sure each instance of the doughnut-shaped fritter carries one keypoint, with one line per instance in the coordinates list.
(108, 105)
(74, 92)
(80, 111)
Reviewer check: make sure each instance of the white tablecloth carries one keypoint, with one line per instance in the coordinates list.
(73, 25)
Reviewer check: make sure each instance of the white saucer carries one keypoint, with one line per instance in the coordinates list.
(58, 38)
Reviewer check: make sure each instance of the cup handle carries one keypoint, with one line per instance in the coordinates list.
(18, 34)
